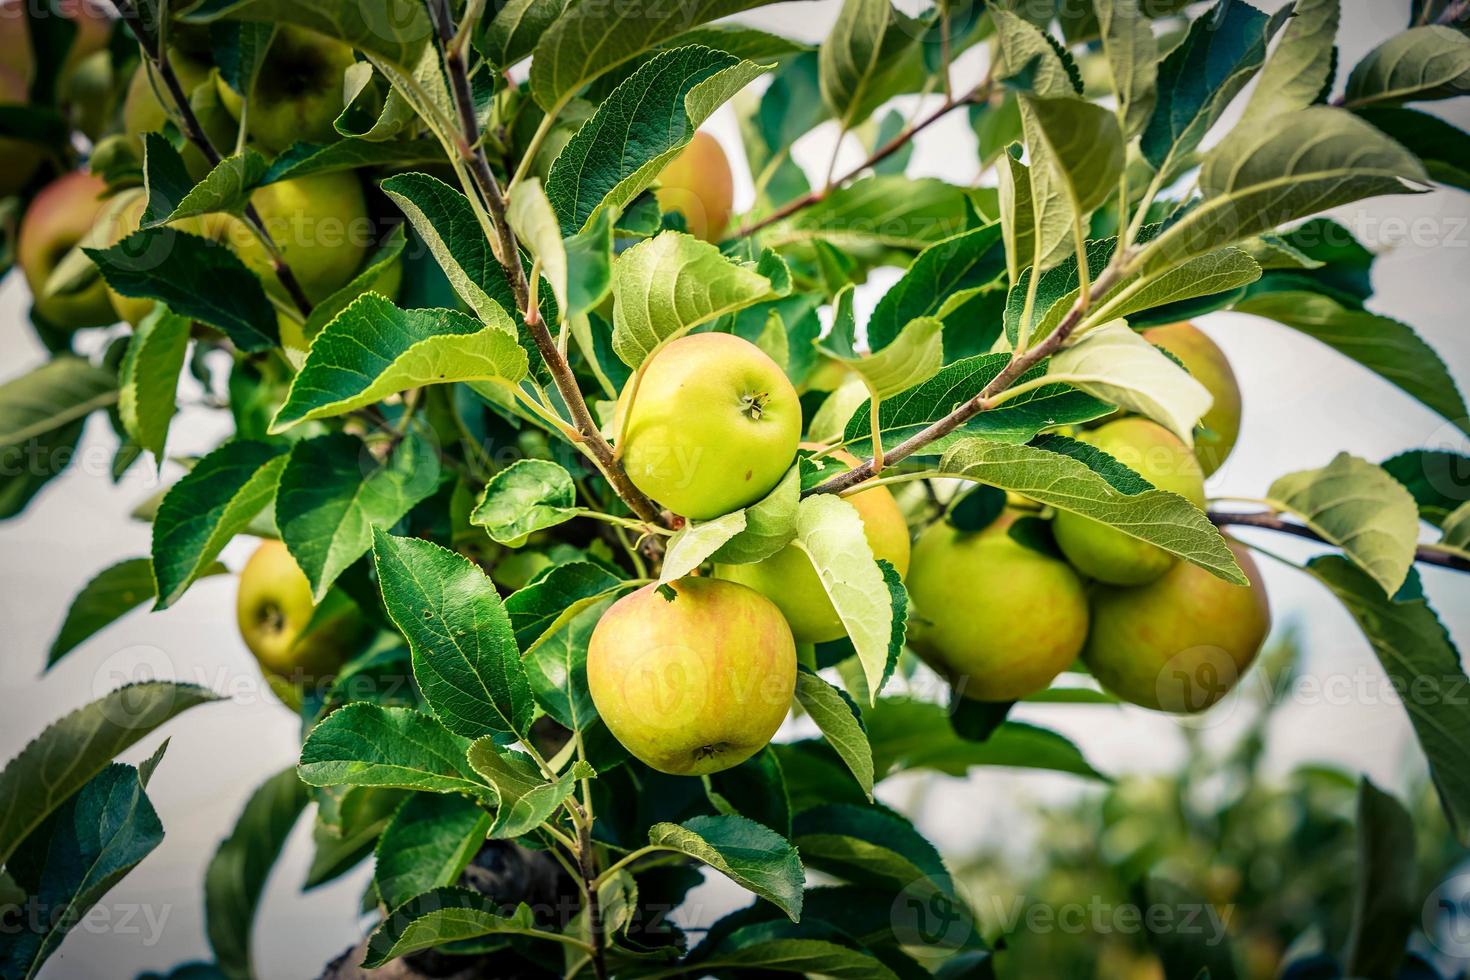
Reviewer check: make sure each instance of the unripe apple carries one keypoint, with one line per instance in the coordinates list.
(1157, 455)
(320, 223)
(1180, 643)
(698, 184)
(693, 684)
(1000, 619)
(789, 579)
(713, 425)
(58, 218)
(1204, 359)
(298, 94)
(273, 608)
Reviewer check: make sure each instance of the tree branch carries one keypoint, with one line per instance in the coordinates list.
(978, 94)
(507, 252)
(1272, 522)
(1019, 365)
(194, 132)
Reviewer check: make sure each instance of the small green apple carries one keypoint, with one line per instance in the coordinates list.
(274, 607)
(698, 184)
(59, 217)
(695, 683)
(298, 94)
(789, 579)
(997, 617)
(713, 426)
(1180, 643)
(1157, 455)
(1204, 359)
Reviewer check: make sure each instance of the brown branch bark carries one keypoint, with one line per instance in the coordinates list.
(508, 254)
(1273, 522)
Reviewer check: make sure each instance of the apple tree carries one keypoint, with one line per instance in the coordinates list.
(573, 486)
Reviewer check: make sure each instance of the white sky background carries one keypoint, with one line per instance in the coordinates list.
(1303, 403)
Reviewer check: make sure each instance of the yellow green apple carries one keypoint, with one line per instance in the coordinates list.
(997, 617)
(273, 608)
(59, 217)
(693, 677)
(298, 94)
(1160, 457)
(712, 427)
(698, 184)
(1204, 359)
(789, 579)
(1180, 643)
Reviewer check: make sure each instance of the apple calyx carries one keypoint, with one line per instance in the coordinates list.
(754, 405)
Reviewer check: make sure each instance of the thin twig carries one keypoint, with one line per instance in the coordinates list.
(1272, 522)
(979, 94)
(587, 860)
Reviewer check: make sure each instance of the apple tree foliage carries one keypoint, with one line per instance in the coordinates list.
(441, 460)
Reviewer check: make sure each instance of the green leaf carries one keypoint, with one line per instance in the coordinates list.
(1259, 178)
(376, 267)
(333, 492)
(589, 260)
(856, 64)
(1116, 364)
(1388, 348)
(1420, 64)
(672, 283)
(912, 357)
(166, 180)
(1418, 656)
(754, 857)
(395, 30)
(1358, 507)
(966, 261)
(1068, 483)
(227, 187)
(694, 544)
(877, 220)
(236, 876)
(1198, 79)
(1133, 59)
(1439, 481)
(761, 948)
(427, 844)
(239, 51)
(618, 153)
(840, 722)
(1300, 69)
(1456, 536)
(1221, 271)
(540, 606)
(770, 524)
(194, 278)
(95, 839)
(1442, 148)
(213, 502)
(1032, 60)
(908, 734)
(556, 664)
(513, 31)
(527, 496)
(364, 744)
(531, 217)
(41, 418)
(110, 595)
(526, 798)
(148, 379)
(448, 915)
(373, 349)
(589, 39)
(1084, 147)
(307, 159)
(1386, 902)
(348, 824)
(64, 757)
(870, 846)
(1017, 420)
(464, 652)
(830, 532)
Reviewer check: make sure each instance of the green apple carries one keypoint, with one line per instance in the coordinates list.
(59, 217)
(143, 112)
(1157, 455)
(19, 159)
(997, 617)
(1204, 359)
(298, 94)
(1180, 643)
(695, 683)
(274, 608)
(789, 579)
(713, 425)
(320, 223)
(698, 184)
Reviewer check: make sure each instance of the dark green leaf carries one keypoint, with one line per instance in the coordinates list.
(752, 856)
(111, 594)
(427, 844)
(1386, 903)
(367, 745)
